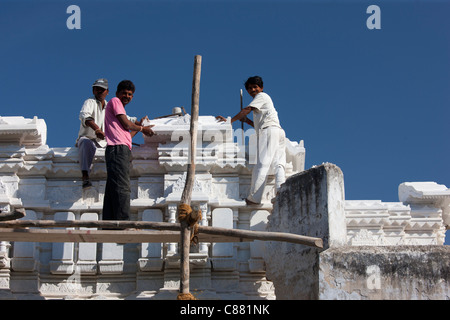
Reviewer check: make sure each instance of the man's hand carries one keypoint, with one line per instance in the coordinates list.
(142, 120)
(240, 116)
(221, 119)
(100, 134)
(148, 131)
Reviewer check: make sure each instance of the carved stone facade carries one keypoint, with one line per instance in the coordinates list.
(47, 183)
(421, 218)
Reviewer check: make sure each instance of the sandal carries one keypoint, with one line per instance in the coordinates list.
(87, 184)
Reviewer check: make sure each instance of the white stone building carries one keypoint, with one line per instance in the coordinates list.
(47, 183)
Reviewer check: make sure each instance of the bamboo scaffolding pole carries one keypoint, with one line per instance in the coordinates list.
(185, 242)
(101, 224)
(220, 233)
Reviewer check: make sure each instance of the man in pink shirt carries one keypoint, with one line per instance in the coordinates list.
(116, 202)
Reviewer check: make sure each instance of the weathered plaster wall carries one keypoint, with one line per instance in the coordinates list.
(312, 203)
(385, 272)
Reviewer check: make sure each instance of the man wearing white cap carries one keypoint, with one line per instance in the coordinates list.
(91, 135)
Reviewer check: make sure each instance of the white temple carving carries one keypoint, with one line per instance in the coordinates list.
(47, 183)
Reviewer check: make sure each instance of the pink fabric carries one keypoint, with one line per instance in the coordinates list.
(115, 133)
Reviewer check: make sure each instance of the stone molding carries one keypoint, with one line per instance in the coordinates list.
(47, 182)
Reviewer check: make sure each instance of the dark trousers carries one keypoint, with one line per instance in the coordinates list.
(116, 203)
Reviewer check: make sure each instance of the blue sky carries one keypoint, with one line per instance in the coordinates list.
(373, 102)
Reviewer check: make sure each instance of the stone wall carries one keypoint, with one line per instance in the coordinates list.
(310, 203)
(367, 242)
(385, 272)
(357, 262)
(47, 183)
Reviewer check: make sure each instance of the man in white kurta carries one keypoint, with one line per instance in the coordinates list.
(271, 146)
(91, 134)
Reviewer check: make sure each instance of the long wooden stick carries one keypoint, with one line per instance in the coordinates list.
(190, 177)
(238, 234)
(242, 126)
(101, 224)
(185, 242)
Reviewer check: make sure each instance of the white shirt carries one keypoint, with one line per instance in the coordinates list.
(264, 114)
(91, 110)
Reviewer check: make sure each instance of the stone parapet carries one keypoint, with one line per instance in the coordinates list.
(365, 255)
(47, 183)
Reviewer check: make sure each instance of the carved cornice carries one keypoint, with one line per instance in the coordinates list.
(23, 132)
(423, 192)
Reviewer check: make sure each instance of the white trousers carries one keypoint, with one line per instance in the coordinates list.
(86, 152)
(271, 155)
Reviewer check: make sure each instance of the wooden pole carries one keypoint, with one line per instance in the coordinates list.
(185, 242)
(187, 191)
(238, 234)
(103, 224)
(242, 126)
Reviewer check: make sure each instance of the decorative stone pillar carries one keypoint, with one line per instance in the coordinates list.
(63, 252)
(26, 261)
(222, 253)
(151, 258)
(203, 246)
(26, 255)
(224, 275)
(9, 185)
(151, 263)
(112, 259)
(258, 222)
(172, 218)
(5, 288)
(87, 251)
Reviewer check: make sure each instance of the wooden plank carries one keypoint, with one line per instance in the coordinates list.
(263, 235)
(104, 224)
(102, 236)
(221, 234)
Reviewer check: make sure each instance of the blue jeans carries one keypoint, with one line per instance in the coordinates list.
(116, 203)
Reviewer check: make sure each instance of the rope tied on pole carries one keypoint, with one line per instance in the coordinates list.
(186, 213)
(185, 296)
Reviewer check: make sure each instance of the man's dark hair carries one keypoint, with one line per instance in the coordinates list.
(125, 85)
(254, 80)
